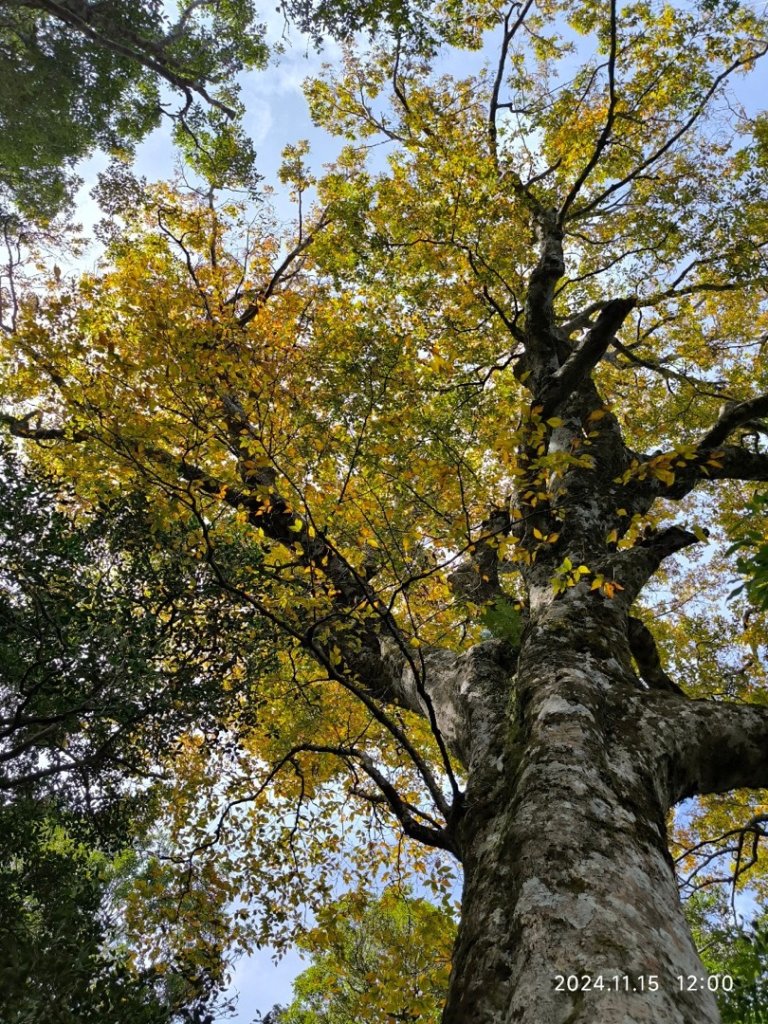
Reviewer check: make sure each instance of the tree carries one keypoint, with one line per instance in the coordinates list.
(462, 420)
(80, 76)
(67, 959)
(380, 961)
(738, 952)
(105, 643)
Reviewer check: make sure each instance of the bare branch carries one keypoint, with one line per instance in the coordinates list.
(510, 30)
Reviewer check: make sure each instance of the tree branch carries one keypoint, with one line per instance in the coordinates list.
(509, 34)
(605, 134)
(587, 208)
(280, 274)
(643, 649)
(634, 566)
(477, 577)
(713, 747)
(729, 463)
(733, 415)
(582, 361)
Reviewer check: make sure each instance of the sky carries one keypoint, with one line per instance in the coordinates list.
(259, 983)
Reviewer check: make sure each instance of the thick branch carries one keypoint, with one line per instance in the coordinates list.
(582, 361)
(476, 578)
(635, 566)
(730, 463)
(734, 415)
(713, 747)
(643, 648)
(22, 426)
(541, 339)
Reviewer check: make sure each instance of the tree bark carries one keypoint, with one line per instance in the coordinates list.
(567, 872)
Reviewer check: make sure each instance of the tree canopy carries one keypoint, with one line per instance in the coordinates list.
(77, 77)
(374, 960)
(468, 443)
(106, 645)
(85, 76)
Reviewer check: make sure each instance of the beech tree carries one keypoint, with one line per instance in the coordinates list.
(467, 426)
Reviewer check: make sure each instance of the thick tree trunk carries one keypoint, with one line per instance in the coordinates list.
(567, 874)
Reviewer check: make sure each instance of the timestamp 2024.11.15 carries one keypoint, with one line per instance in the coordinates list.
(641, 982)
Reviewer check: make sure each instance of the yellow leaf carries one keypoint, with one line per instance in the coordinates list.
(610, 587)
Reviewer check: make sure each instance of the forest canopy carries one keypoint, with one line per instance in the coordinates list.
(417, 539)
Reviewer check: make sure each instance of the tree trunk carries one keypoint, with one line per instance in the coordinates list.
(567, 873)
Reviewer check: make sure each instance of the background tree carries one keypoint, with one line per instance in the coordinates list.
(377, 960)
(735, 949)
(77, 77)
(85, 76)
(517, 371)
(108, 638)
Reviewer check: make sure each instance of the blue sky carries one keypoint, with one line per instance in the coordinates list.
(259, 983)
